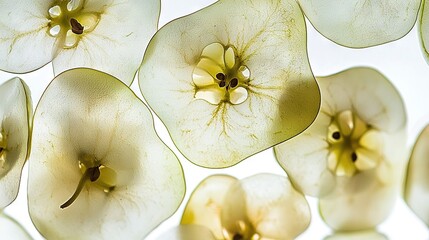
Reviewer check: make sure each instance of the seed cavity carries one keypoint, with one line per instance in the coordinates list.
(220, 76)
(354, 157)
(76, 27)
(336, 135)
(238, 236)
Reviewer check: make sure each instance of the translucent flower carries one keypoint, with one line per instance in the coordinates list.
(362, 23)
(263, 206)
(107, 35)
(231, 80)
(424, 29)
(98, 170)
(11, 229)
(416, 193)
(16, 112)
(352, 156)
(359, 235)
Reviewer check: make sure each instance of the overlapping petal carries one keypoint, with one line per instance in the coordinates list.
(11, 229)
(16, 114)
(91, 131)
(276, 96)
(362, 23)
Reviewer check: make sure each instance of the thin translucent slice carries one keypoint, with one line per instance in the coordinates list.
(25, 44)
(283, 98)
(213, 95)
(274, 208)
(117, 44)
(424, 29)
(187, 232)
(202, 78)
(358, 235)
(11, 229)
(372, 98)
(416, 192)
(361, 23)
(238, 95)
(215, 52)
(206, 202)
(16, 114)
(86, 113)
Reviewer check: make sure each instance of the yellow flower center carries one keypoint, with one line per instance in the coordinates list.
(69, 22)
(353, 145)
(219, 76)
(102, 176)
(241, 231)
(4, 166)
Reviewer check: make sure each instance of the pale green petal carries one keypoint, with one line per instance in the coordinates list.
(424, 29)
(88, 117)
(11, 229)
(16, 113)
(416, 193)
(187, 232)
(269, 38)
(361, 23)
(206, 202)
(25, 44)
(358, 235)
(117, 43)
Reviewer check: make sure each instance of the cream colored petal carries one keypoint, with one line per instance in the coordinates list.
(283, 98)
(213, 94)
(202, 78)
(361, 23)
(11, 229)
(86, 114)
(117, 43)
(25, 44)
(206, 202)
(187, 232)
(238, 95)
(270, 203)
(416, 192)
(358, 235)
(215, 52)
(16, 114)
(423, 25)
(229, 58)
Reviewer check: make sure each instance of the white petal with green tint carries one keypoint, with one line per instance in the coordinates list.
(16, 113)
(25, 44)
(188, 232)
(92, 134)
(416, 193)
(262, 45)
(372, 100)
(206, 202)
(424, 29)
(11, 229)
(361, 23)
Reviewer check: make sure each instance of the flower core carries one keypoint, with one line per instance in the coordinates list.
(4, 166)
(353, 145)
(69, 22)
(220, 76)
(242, 231)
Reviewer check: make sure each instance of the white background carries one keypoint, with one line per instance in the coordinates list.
(401, 61)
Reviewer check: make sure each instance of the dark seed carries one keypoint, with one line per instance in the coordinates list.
(76, 27)
(94, 173)
(222, 83)
(336, 135)
(354, 156)
(237, 236)
(220, 76)
(233, 83)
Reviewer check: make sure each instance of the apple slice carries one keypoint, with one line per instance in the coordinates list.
(16, 114)
(231, 80)
(97, 164)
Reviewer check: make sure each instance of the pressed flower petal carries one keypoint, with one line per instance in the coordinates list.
(283, 98)
(416, 192)
(187, 232)
(270, 204)
(117, 43)
(361, 23)
(89, 120)
(25, 44)
(15, 119)
(12, 229)
(206, 202)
